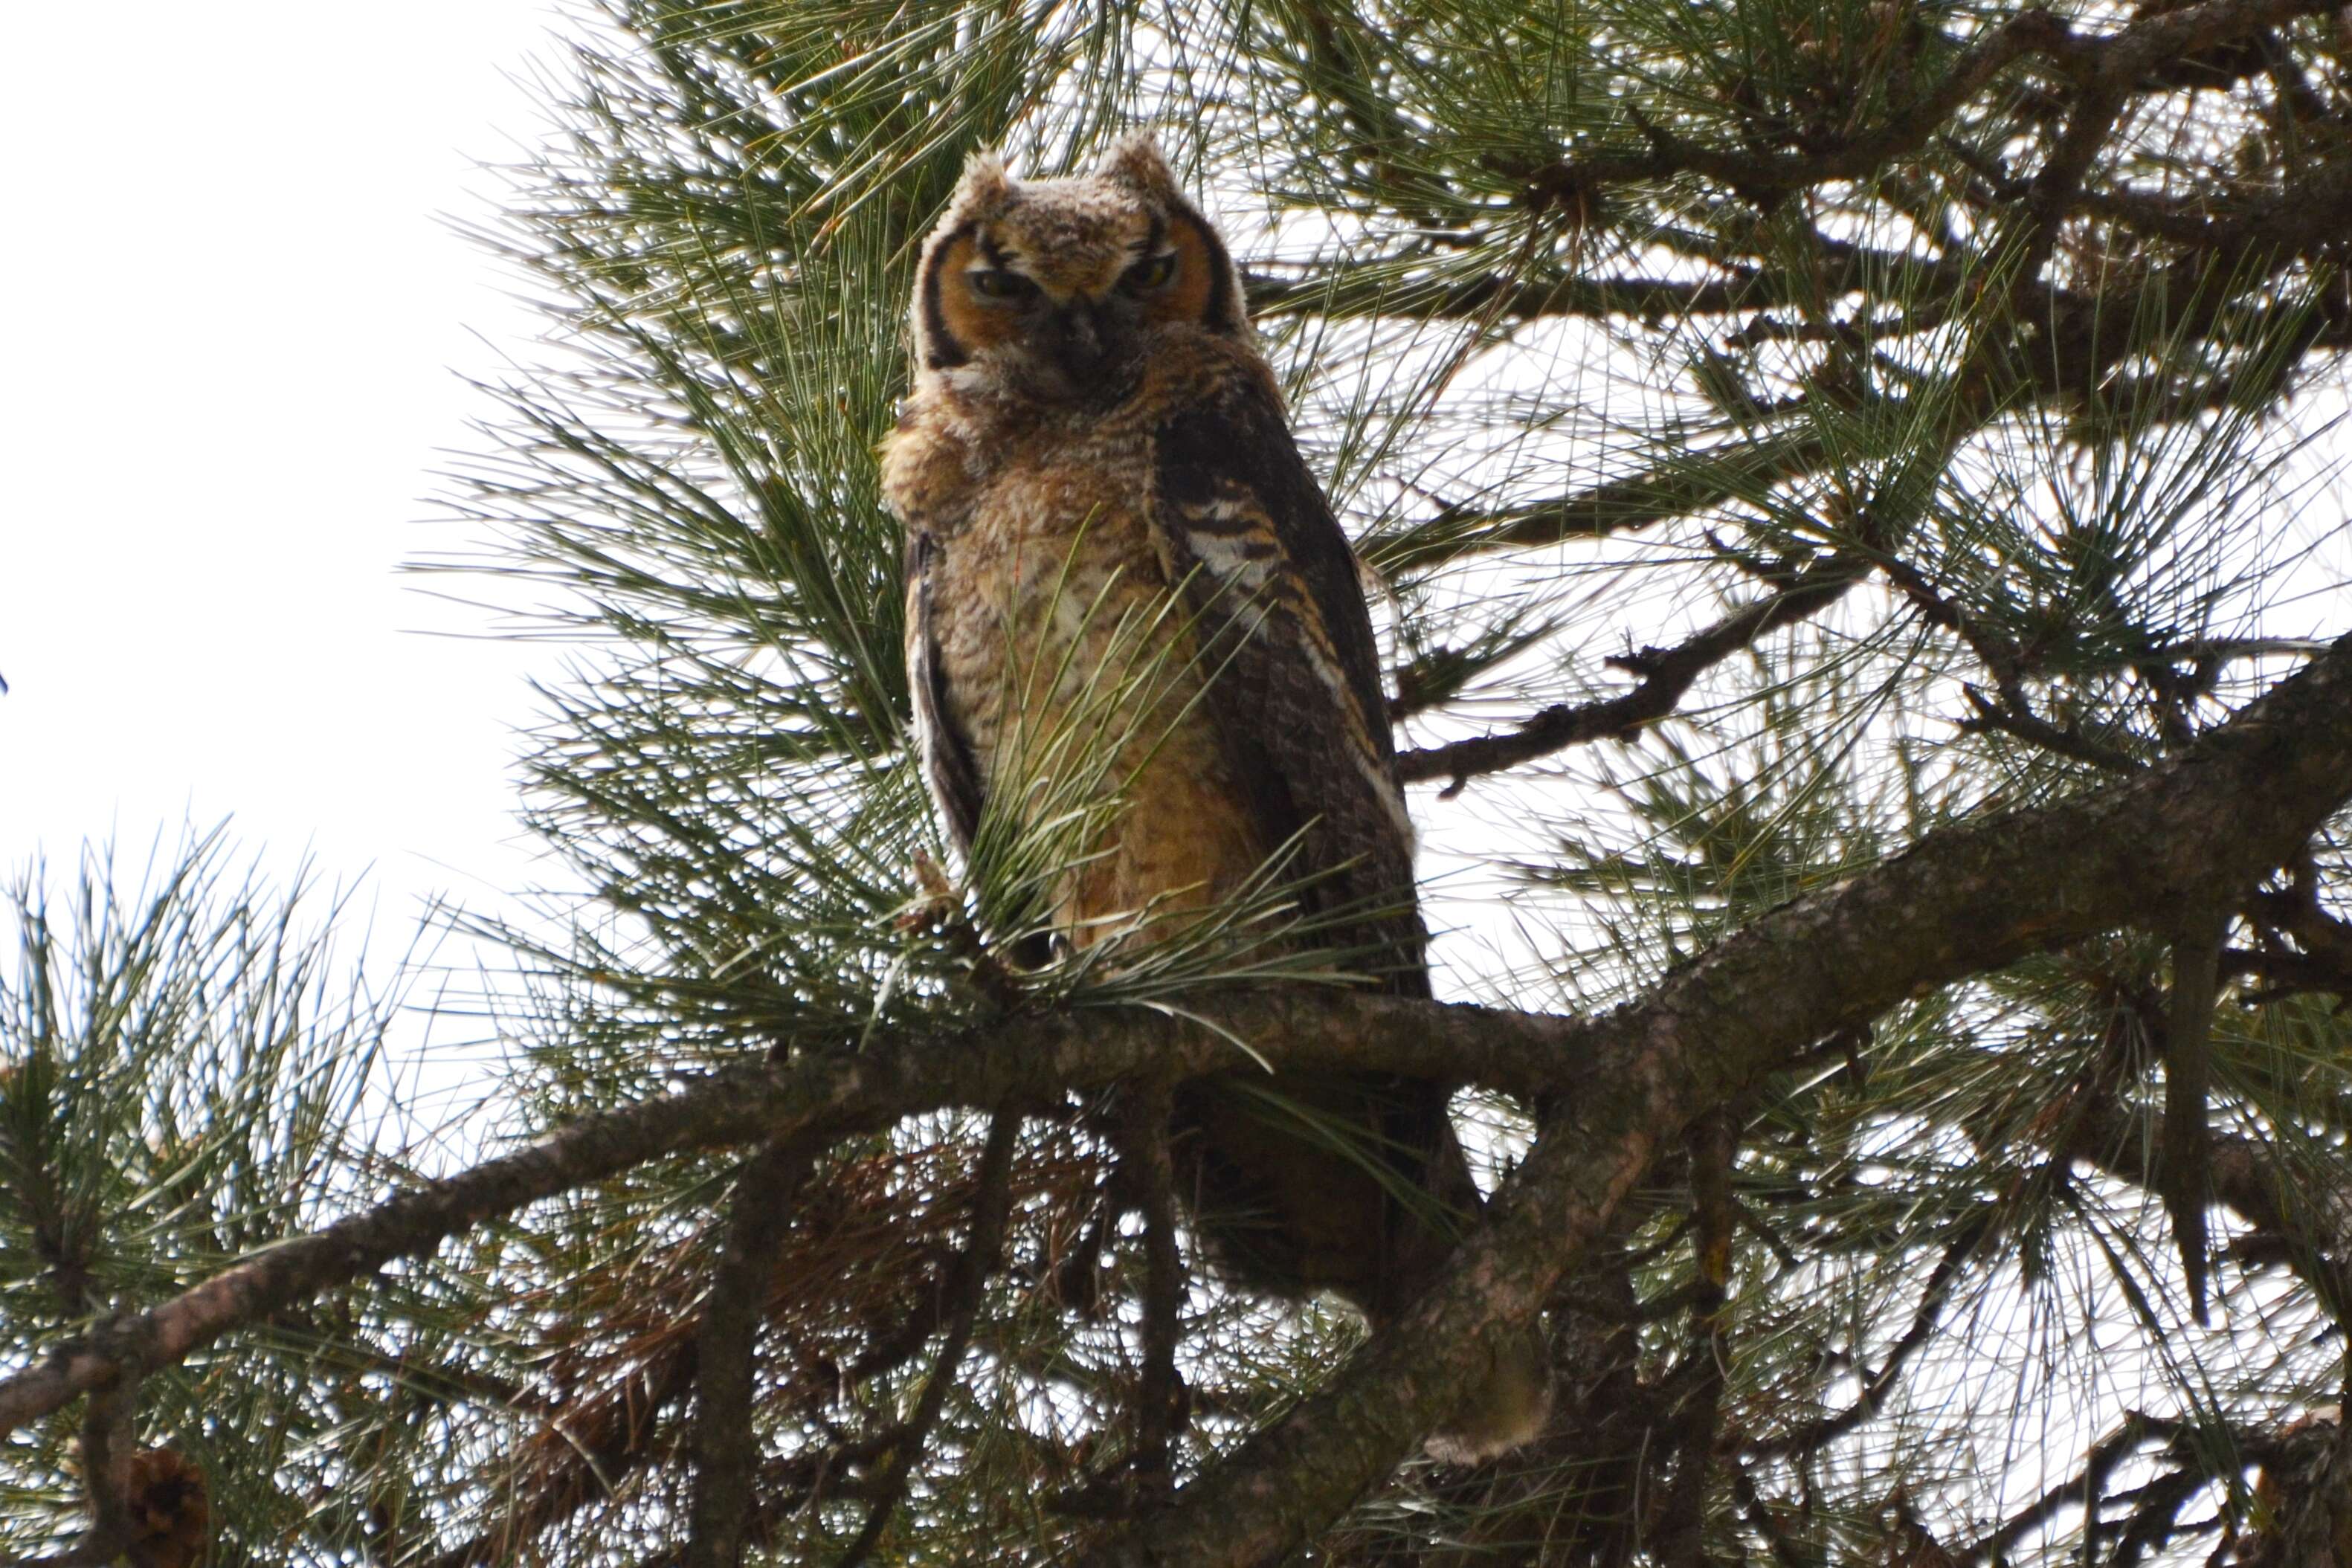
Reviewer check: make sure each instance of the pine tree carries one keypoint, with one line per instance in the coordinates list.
(1851, 491)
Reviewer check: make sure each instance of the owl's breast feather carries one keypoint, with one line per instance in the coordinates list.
(1062, 654)
(1048, 590)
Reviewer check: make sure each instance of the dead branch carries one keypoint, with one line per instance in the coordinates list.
(1666, 673)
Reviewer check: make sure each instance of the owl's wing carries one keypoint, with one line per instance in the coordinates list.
(949, 767)
(1296, 694)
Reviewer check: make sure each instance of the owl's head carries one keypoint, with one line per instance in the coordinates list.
(1058, 286)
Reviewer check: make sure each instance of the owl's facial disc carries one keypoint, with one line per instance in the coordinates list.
(1063, 296)
(1070, 327)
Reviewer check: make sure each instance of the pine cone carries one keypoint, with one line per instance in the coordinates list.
(169, 1512)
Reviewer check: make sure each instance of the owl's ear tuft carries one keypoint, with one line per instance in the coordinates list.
(946, 331)
(1135, 161)
(984, 187)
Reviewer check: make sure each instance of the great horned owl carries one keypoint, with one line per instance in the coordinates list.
(1119, 567)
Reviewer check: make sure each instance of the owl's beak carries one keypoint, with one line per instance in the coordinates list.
(1085, 338)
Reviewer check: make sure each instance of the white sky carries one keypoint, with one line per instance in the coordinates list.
(237, 317)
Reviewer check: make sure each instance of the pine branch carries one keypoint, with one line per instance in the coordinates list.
(1666, 673)
(1964, 900)
(2199, 1457)
(1714, 1139)
(2109, 65)
(108, 1446)
(619, 1437)
(2058, 275)
(2304, 220)
(1934, 1300)
(1032, 1057)
(2012, 717)
(2303, 1223)
(1375, 289)
(2314, 1527)
(2241, 801)
(1692, 482)
(2186, 1185)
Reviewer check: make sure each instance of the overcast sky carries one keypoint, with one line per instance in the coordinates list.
(237, 321)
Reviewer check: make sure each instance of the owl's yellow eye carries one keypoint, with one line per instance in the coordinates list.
(1151, 273)
(1000, 283)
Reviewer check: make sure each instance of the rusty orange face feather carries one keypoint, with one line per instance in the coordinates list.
(1063, 284)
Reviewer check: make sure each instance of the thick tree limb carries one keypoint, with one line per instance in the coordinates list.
(2239, 802)
(1034, 1056)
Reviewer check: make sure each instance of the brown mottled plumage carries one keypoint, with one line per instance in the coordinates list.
(1122, 580)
